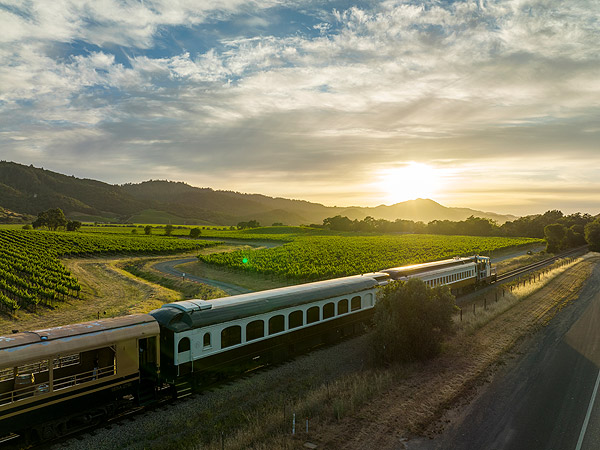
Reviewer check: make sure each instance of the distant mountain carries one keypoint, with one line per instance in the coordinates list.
(29, 190)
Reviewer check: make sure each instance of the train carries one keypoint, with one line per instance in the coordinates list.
(59, 380)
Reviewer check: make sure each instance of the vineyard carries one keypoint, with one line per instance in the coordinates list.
(31, 272)
(322, 257)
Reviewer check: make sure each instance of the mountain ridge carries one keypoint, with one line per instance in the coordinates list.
(29, 190)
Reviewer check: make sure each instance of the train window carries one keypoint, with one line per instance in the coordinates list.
(276, 324)
(36, 367)
(7, 374)
(296, 319)
(67, 360)
(206, 340)
(184, 345)
(231, 336)
(312, 314)
(355, 303)
(255, 330)
(328, 310)
(342, 306)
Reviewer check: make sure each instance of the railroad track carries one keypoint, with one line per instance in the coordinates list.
(511, 274)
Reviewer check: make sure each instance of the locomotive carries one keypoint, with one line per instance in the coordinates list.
(58, 380)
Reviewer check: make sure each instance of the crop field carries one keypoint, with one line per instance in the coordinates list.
(31, 272)
(322, 257)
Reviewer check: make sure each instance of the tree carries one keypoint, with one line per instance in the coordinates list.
(195, 233)
(411, 321)
(555, 237)
(73, 225)
(168, 230)
(148, 229)
(249, 224)
(338, 223)
(575, 236)
(53, 219)
(592, 235)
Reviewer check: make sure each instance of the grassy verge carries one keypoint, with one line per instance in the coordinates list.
(519, 261)
(481, 309)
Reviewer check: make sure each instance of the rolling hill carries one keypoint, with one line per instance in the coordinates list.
(29, 190)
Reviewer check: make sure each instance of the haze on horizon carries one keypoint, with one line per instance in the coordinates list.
(488, 105)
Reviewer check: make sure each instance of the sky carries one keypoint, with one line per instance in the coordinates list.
(493, 105)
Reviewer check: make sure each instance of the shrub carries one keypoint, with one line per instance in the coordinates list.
(411, 321)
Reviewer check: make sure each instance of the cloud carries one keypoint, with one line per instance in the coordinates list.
(330, 92)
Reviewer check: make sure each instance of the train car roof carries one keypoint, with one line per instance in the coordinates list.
(434, 266)
(21, 347)
(189, 314)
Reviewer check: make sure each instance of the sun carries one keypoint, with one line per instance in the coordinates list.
(411, 181)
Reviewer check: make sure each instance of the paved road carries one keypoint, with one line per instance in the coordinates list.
(548, 397)
(169, 268)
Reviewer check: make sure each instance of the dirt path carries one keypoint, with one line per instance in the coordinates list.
(106, 291)
(417, 403)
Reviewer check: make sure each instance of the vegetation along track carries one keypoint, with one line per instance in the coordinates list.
(507, 276)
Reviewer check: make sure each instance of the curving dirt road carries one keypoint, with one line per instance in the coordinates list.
(169, 268)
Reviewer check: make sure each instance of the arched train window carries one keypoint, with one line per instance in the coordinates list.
(343, 306)
(231, 336)
(184, 345)
(276, 324)
(296, 319)
(312, 314)
(328, 310)
(255, 330)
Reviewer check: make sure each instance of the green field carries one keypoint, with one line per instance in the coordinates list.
(31, 272)
(313, 257)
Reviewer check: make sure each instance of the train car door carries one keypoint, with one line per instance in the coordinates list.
(147, 356)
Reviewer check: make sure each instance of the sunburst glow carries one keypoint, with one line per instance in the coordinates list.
(414, 180)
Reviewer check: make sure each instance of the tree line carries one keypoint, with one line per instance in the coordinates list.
(560, 231)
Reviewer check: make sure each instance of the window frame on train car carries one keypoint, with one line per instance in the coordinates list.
(310, 314)
(327, 314)
(355, 303)
(227, 336)
(183, 341)
(272, 322)
(344, 302)
(252, 329)
(206, 343)
(296, 314)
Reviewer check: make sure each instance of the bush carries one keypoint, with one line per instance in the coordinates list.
(592, 235)
(411, 321)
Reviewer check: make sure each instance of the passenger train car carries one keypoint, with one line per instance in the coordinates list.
(64, 378)
(60, 379)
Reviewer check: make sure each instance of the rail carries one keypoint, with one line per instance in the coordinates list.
(507, 276)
